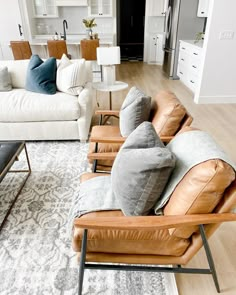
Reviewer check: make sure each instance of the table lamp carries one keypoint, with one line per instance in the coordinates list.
(108, 57)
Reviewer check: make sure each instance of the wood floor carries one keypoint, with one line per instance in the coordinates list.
(220, 121)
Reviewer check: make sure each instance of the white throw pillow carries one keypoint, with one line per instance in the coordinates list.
(70, 76)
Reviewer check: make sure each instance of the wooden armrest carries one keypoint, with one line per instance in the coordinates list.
(166, 138)
(107, 112)
(151, 222)
(101, 156)
(108, 139)
(121, 139)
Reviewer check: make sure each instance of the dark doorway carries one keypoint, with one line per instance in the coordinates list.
(130, 28)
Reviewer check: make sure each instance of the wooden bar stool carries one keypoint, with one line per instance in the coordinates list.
(56, 48)
(21, 49)
(89, 51)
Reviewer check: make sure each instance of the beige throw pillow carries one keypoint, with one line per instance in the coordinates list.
(70, 76)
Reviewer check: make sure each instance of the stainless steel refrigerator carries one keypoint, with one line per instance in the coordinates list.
(181, 23)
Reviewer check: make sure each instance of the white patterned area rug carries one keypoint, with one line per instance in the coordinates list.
(36, 257)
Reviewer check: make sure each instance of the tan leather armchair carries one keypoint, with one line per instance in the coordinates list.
(168, 116)
(201, 201)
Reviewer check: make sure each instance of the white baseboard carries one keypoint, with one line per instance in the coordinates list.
(215, 99)
(170, 284)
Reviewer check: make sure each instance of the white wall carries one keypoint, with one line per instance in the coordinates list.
(218, 83)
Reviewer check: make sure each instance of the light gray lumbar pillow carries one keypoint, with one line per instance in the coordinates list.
(141, 170)
(134, 110)
(5, 79)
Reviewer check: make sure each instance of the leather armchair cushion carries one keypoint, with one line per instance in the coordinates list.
(199, 191)
(156, 242)
(141, 170)
(134, 110)
(167, 113)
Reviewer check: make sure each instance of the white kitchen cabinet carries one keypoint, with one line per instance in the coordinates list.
(189, 63)
(203, 7)
(71, 2)
(13, 26)
(100, 8)
(45, 8)
(156, 7)
(156, 53)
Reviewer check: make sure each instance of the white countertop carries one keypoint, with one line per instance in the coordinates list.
(193, 42)
(68, 42)
(71, 39)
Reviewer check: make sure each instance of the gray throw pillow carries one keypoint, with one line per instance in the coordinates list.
(134, 110)
(141, 170)
(5, 79)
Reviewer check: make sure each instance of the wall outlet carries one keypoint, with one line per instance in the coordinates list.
(226, 35)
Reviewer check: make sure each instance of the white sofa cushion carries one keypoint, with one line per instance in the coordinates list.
(20, 105)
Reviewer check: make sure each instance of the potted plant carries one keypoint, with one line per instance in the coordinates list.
(199, 37)
(89, 24)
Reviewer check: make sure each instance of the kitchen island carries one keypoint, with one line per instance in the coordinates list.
(39, 44)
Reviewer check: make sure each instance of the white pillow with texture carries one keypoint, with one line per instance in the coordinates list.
(71, 75)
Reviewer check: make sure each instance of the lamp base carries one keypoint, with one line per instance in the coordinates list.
(109, 74)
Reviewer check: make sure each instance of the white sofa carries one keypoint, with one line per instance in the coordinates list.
(26, 115)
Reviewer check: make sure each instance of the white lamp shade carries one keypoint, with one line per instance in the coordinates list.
(108, 55)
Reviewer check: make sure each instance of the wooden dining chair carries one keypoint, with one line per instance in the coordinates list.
(21, 49)
(56, 48)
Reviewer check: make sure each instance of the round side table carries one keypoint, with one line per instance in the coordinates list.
(101, 86)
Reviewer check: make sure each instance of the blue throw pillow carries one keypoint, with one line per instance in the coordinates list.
(41, 75)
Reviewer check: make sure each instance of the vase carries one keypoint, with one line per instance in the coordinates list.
(88, 33)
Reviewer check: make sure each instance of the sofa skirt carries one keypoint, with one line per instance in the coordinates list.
(53, 130)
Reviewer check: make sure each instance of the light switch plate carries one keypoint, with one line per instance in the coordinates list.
(226, 35)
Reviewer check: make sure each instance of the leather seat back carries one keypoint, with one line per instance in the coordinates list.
(168, 114)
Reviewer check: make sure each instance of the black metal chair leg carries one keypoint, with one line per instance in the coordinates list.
(82, 262)
(209, 257)
(94, 168)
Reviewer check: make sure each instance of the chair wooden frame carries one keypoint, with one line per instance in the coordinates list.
(147, 223)
(95, 156)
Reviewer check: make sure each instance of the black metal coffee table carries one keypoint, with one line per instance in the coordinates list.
(9, 152)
